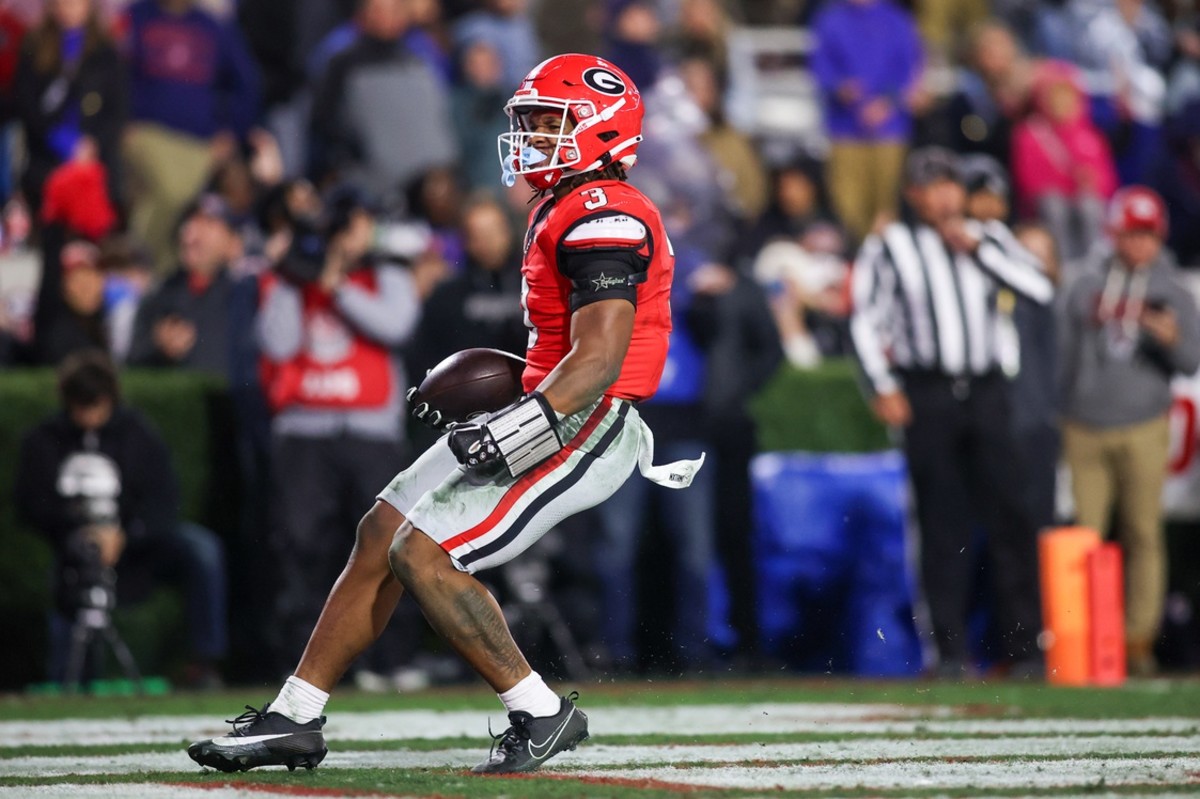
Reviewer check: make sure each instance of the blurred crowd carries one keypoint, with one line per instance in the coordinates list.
(304, 200)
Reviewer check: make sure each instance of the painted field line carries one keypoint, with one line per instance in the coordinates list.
(154, 791)
(685, 719)
(401, 725)
(1165, 771)
(595, 755)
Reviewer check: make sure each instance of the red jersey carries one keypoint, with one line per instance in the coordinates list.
(570, 249)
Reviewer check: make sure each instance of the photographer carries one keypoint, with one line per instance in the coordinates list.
(97, 481)
(334, 311)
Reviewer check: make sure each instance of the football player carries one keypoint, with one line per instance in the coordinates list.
(596, 284)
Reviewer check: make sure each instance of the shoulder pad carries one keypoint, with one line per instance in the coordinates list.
(606, 230)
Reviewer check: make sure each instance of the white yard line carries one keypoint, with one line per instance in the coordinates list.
(1073, 773)
(616, 758)
(933, 775)
(763, 719)
(151, 791)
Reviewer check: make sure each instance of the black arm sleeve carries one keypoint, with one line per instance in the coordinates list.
(602, 274)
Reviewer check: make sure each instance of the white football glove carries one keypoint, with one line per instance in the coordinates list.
(513, 439)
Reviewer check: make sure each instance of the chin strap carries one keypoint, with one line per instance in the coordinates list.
(677, 474)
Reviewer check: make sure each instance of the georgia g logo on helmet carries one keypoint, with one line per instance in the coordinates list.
(604, 81)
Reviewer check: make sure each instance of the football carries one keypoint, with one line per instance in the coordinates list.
(470, 382)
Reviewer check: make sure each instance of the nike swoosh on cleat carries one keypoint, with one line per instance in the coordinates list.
(229, 740)
(547, 744)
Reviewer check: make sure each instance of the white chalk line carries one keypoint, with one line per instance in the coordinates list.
(934, 775)
(610, 758)
(760, 719)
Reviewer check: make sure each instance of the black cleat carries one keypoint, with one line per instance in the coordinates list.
(529, 742)
(260, 738)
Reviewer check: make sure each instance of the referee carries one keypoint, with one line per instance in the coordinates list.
(924, 329)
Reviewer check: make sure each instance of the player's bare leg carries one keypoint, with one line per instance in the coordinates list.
(360, 604)
(464, 613)
(459, 608)
(287, 732)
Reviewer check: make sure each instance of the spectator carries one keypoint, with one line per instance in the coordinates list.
(71, 95)
(12, 32)
(507, 27)
(986, 183)
(194, 90)
(567, 26)
(1027, 345)
(1035, 402)
(481, 305)
(868, 63)
(924, 307)
(374, 92)
(809, 301)
(703, 32)
(371, 15)
(633, 39)
(742, 173)
(189, 320)
(128, 275)
(991, 95)
(944, 23)
(732, 325)
(1062, 167)
(1128, 326)
(330, 323)
(82, 324)
(1123, 49)
(436, 198)
(685, 517)
(1176, 174)
(477, 106)
(75, 206)
(96, 474)
(798, 205)
(243, 181)
(679, 171)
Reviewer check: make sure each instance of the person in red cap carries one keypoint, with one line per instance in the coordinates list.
(1129, 325)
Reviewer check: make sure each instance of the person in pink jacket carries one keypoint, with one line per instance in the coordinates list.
(1063, 169)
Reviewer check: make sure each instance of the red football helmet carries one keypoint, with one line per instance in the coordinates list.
(602, 105)
(1137, 208)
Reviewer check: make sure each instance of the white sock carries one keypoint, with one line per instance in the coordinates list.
(532, 696)
(300, 701)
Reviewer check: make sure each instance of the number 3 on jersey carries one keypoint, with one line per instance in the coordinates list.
(599, 198)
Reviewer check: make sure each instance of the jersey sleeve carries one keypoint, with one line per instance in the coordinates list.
(605, 255)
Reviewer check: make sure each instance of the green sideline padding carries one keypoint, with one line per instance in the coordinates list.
(816, 410)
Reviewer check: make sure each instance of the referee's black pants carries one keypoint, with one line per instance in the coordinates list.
(967, 470)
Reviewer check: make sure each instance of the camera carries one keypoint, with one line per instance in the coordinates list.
(83, 581)
(394, 241)
(90, 484)
(312, 231)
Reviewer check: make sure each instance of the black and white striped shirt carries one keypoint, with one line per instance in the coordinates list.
(919, 305)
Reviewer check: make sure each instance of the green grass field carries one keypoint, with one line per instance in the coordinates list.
(778, 738)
